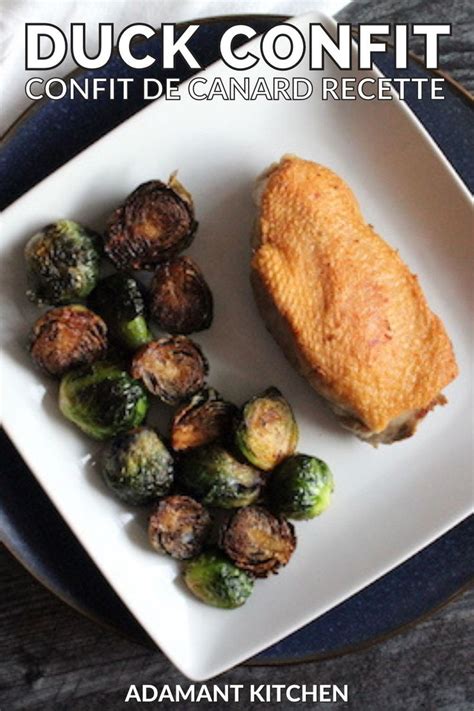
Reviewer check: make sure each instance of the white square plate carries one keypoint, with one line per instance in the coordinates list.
(389, 502)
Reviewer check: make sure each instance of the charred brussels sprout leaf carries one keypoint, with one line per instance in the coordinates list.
(301, 487)
(62, 263)
(258, 541)
(67, 337)
(267, 432)
(202, 420)
(216, 581)
(154, 223)
(181, 301)
(119, 301)
(179, 526)
(137, 466)
(217, 478)
(172, 368)
(102, 400)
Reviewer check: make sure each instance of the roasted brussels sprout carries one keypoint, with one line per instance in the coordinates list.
(102, 400)
(62, 262)
(258, 541)
(217, 478)
(301, 487)
(137, 466)
(181, 301)
(216, 581)
(154, 223)
(172, 368)
(267, 432)
(67, 337)
(119, 301)
(179, 526)
(202, 420)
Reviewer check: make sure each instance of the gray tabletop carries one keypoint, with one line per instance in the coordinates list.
(53, 658)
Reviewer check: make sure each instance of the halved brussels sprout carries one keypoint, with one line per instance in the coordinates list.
(267, 432)
(179, 526)
(62, 262)
(137, 466)
(154, 223)
(301, 487)
(202, 420)
(119, 301)
(213, 475)
(216, 581)
(258, 541)
(67, 337)
(172, 368)
(181, 301)
(102, 400)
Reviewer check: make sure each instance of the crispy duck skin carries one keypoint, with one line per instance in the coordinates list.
(343, 306)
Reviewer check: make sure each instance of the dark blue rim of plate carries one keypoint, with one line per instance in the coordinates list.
(45, 138)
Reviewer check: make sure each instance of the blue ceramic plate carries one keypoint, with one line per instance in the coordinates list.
(45, 138)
